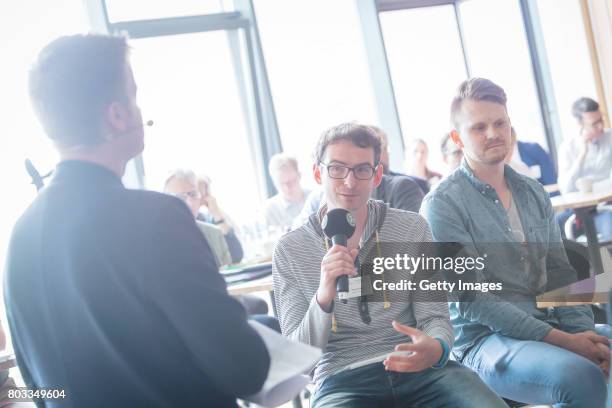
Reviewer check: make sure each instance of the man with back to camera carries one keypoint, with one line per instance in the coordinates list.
(587, 155)
(527, 354)
(113, 295)
(305, 267)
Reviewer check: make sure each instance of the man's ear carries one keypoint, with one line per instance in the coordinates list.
(316, 172)
(378, 175)
(116, 117)
(454, 135)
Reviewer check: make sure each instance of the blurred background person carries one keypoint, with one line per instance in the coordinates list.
(416, 162)
(451, 153)
(211, 213)
(531, 160)
(183, 184)
(281, 209)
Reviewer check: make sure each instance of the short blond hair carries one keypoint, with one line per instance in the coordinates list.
(282, 161)
(181, 174)
(476, 89)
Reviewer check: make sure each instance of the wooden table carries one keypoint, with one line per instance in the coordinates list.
(585, 207)
(257, 285)
(588, 291)
(260, 284)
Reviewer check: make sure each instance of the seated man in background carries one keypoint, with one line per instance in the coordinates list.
(451, 154)
(281, 209)
(213, 214)
(588, 155)
(183, 184)
(357, 336)
(113, 295)
(397, 190)
(531, 160)
(527, 354)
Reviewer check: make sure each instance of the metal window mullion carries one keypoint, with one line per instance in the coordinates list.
(180, 25)
(461, 33)
(392, 5)
(251, 106)
(381, 80)
(543, 79)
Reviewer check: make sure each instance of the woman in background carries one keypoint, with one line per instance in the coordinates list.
(416, 160)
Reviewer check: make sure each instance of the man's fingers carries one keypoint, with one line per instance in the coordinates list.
(407, 347)
(407, 330)
(399, 366)
(597, 338)
(604, 351)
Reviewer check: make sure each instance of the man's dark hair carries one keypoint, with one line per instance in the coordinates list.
(73, 81)
(583, 105)
(360, 135)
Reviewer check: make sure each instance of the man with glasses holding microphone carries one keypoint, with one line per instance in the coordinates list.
(357, 367)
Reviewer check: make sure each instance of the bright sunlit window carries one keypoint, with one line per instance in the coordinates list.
(318, 70)
(26, 27)
(568, 57)
(425, 73)
(497, 49)
(187, 85)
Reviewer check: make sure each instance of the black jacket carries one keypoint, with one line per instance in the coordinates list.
(113, 295)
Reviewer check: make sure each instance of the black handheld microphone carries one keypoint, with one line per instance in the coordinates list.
(339, 225)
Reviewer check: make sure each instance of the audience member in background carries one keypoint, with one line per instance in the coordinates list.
(451, 154)
(281, 209)
(588, 155)
(357, 336)
(213, 214)
(397, 190)
(524, 353)
(112, 294)
(531, 160)
(416, 160)
(183, 184)
(384, 161)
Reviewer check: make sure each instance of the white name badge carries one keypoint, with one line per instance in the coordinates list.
(355, 288)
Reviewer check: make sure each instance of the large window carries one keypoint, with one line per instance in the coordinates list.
(187, 85)
(26, 27)
(317, 67)
(425, 74)
(497, 49)
(568, 57)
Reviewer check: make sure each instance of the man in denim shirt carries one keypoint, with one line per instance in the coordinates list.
(524, 353)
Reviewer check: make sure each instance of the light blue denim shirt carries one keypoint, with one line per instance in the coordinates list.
(464, 209)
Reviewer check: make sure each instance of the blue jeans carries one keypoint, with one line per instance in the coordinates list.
(371, 386)
(535, 372)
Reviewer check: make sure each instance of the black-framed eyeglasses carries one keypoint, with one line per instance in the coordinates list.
(361, 172)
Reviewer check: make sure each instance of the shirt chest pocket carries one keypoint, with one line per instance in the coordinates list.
(537, 237)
